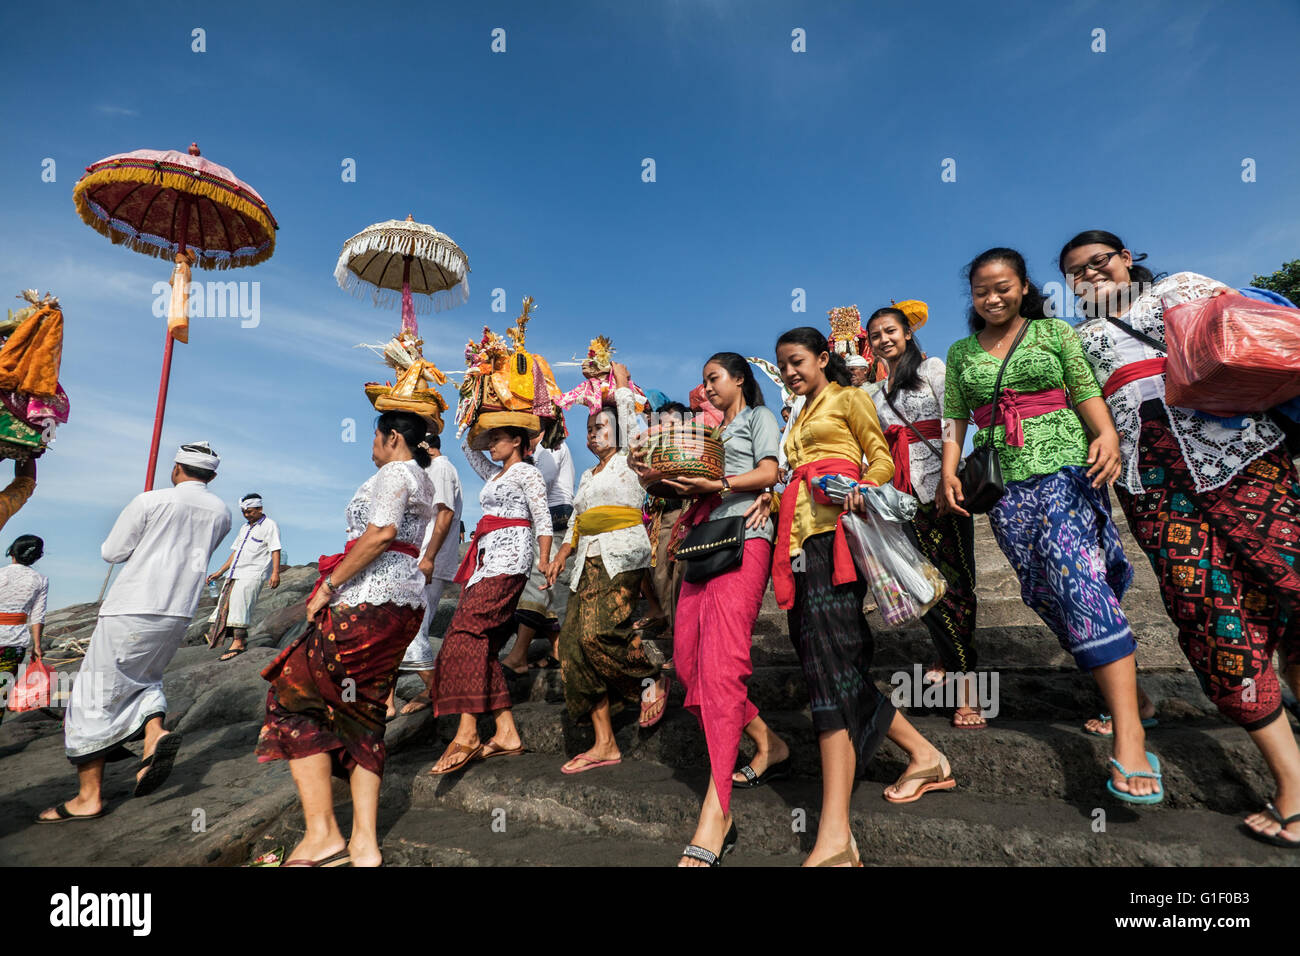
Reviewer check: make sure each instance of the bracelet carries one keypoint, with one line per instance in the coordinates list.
(329, 583)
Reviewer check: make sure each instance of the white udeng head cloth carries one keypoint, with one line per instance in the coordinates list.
(250, 501)
(856, 361)
(198, 454)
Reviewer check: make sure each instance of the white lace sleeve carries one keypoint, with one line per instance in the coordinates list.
(391, 493)
(37, 615)
(934, 374)
(534, 488)
(485, 469)
(626, 404)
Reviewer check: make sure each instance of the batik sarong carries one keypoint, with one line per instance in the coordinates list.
(1057, 532)
(949, 543)
(329, 689)
(468, 677)
(834, 643)
(1226, 561)
(600, 654)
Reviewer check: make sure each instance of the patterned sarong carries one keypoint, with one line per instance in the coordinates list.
(1057, 532)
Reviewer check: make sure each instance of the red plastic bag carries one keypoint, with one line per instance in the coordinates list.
(33, 690)
(1230, 354)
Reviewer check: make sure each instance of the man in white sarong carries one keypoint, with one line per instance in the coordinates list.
(166, 537)
(254, 560)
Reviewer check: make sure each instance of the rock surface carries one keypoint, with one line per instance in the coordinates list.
(1031, 787)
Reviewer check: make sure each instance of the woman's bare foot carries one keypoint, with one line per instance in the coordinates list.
(710, 832)
(1134, 759)
(919, 762)
(1266, 824)
(458, 752)
(1106, 728)
(318, 846)
(364, 854)
(836, 845)
(770, 751)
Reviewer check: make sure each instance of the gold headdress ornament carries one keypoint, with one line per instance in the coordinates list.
(503, 376)
(416, 380)
(847, 335)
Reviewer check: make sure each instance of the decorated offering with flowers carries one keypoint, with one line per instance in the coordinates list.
(415, 389)
(597, 388)
(32, 402)
(505, 384)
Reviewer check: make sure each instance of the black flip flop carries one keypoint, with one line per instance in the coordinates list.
(1276, 839)
(64, 815)
(158, 765)
(778, 771)
(231, 654)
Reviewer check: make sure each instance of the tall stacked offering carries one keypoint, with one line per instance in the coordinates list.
(32, 402)
(415, 389)
(506, 385)
(597, 388)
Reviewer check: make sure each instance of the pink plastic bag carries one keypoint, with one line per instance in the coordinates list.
(1230, 354)
(33, 690)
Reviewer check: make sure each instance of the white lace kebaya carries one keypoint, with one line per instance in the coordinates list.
(918, 404)
(520, 492)
(1214, 452)
(400, 494)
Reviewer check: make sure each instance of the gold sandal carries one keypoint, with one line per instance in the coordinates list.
(847, 855)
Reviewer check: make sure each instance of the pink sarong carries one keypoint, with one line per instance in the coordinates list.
(712, 633)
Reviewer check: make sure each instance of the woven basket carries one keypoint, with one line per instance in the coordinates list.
(679, 451)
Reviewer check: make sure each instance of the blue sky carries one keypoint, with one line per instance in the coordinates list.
(775, 170)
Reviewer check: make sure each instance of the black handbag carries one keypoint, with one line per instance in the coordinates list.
(982, 486)
(713, 547)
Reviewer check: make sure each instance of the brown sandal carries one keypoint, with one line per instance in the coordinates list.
(933, 779)
(471, 753)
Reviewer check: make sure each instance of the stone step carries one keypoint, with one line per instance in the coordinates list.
(1009, 646)
(1208, 764)
(1023, 694)
(641, 813)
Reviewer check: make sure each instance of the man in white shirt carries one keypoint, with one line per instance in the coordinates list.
(166, 537)
(439, 562)
(542, 608)
(254, 555)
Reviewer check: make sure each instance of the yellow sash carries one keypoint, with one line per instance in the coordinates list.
(602, 518)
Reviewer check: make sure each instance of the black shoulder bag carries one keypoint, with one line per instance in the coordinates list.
(982, 486)
(713, 547)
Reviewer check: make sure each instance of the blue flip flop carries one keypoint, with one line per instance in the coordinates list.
(1147, 724)
(1129, 775)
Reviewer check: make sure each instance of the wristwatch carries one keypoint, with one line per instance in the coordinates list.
(329, 583)
(726, 487)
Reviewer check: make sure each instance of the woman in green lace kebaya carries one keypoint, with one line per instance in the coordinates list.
(1053, 522)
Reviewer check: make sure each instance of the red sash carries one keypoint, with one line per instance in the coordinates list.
(782, 573)
(13, 617)
(1012, 407)
(1132, 372)
(486, 525)
(901, 439)
(328, 562)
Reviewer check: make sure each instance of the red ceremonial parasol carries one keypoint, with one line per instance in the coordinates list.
(178, 206)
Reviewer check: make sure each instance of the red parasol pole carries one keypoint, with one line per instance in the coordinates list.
(166, 368)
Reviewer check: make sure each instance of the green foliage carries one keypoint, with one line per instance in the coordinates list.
(1286, 281)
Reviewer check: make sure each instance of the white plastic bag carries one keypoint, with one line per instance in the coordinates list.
(904, 583)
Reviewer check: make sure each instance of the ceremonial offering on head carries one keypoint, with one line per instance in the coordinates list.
(597, 388)
(414, 390)
(848, 337)
(1230, 354)
(32, 402)
(906, 585)
(507, 386)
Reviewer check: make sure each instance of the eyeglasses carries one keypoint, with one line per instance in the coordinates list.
(1096, 264)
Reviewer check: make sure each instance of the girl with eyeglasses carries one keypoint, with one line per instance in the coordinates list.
(1215, 504)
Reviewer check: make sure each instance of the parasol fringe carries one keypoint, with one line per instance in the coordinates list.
(185, 184)
(424, 302)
